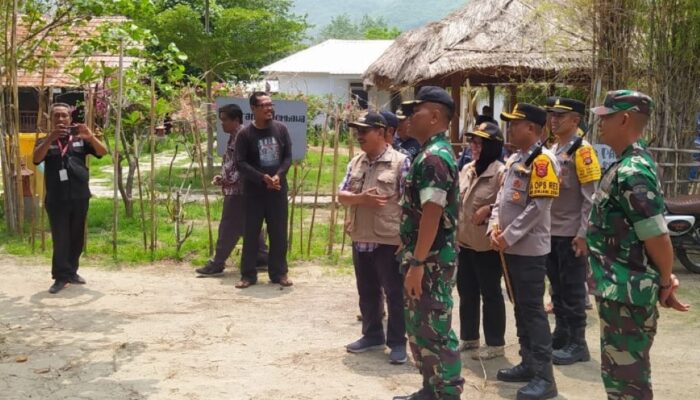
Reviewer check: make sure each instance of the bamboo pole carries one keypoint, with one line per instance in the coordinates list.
(152, 187)
(202, 171)
(115, 154)
(90, 122)
(318, 177)
(331, 229)
(300, 193)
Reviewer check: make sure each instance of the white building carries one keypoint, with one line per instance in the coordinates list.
(334, 67)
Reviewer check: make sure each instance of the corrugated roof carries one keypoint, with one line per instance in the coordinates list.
(335, 57)
(58, 74)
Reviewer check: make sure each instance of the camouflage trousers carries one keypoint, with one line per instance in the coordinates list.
(626, 335)
(430, 336)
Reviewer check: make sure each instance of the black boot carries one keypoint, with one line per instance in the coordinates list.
(423, 394)
(560, 336)
(576, 350)
(210, 269)
(542, 386)
(522, 372)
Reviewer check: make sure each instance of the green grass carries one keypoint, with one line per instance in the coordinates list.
(130, 248)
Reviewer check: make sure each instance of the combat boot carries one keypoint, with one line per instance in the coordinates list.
(575, 351)
(522, 372)
(542, 386)
(560, 336)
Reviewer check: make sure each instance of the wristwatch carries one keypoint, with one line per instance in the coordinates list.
(414, 262)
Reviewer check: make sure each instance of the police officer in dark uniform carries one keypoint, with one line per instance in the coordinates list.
(67, 190)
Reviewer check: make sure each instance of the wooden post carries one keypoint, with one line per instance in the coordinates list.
(492, 97)
(294, 203)
(456, 85)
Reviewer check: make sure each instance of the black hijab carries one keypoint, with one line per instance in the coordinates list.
(490, 151)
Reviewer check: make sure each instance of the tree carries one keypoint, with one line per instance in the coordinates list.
(342, 27)
(245, 35)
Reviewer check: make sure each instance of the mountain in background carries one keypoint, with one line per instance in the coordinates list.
(403, 14)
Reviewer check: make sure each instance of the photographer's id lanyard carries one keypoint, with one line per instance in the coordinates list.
(63, 172)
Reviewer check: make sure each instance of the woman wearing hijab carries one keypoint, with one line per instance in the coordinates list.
(479, 273)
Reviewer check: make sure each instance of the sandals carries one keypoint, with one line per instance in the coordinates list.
(285, 282)
(244, 283)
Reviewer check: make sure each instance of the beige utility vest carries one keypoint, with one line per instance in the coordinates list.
(376, 225)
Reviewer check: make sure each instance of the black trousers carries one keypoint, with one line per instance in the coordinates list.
(67, 220)
(527, 278)
(374, 271)
(232, 228)
(567, 275)
(479, 277)
(270, 206)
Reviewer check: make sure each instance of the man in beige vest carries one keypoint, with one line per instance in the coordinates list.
(371, 189)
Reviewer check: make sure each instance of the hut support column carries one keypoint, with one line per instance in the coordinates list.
(492, 96)
(456, 85)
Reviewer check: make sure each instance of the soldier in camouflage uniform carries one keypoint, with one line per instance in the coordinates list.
(429, 254)
(630, 251)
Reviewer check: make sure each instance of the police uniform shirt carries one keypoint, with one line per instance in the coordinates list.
(578, 175)
(75, 187)
(522, 208)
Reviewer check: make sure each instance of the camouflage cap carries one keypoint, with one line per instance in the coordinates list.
(625, 100)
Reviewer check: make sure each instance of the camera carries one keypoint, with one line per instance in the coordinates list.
(73, 130)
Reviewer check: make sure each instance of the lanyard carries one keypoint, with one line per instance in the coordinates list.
(63, 150)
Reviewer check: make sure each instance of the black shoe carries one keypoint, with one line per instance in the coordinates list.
(519, 373)
(537, 389)
(57, 286)
(560, 338)
(571, 353)
(77, 280)
(210, 269)
(423, 394)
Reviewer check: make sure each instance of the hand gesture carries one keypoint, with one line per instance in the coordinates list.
(580, 246)
(372, 198)
(667, 296)
(84, 132)
(479, 217)
(59, 131)
(413, 283)
(217, 180)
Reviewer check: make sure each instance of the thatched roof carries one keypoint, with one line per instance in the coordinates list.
(491, 41)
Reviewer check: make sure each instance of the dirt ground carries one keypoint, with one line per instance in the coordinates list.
(160, 333)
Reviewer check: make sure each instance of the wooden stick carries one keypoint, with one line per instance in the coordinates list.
(331, 230)
(115, 155)
(294, 201)
(318, 177)
(203, 175)
(506, 276)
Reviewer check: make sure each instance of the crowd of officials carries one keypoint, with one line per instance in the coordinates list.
(422, 222)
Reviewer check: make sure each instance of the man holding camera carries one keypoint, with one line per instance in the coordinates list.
(66, 175)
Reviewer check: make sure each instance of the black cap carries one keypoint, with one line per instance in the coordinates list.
(487, 130)
(526, 112)
(429, 94)
(549, 102)
(369, 120)
(391, 120)
(564, 105)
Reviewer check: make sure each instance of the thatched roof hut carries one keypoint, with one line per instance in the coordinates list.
(491, 42)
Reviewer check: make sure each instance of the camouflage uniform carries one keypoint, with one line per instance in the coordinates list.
(627, 209)
(433, 177)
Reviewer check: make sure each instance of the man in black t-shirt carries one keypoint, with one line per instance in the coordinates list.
(66, 176)
(263, 157)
